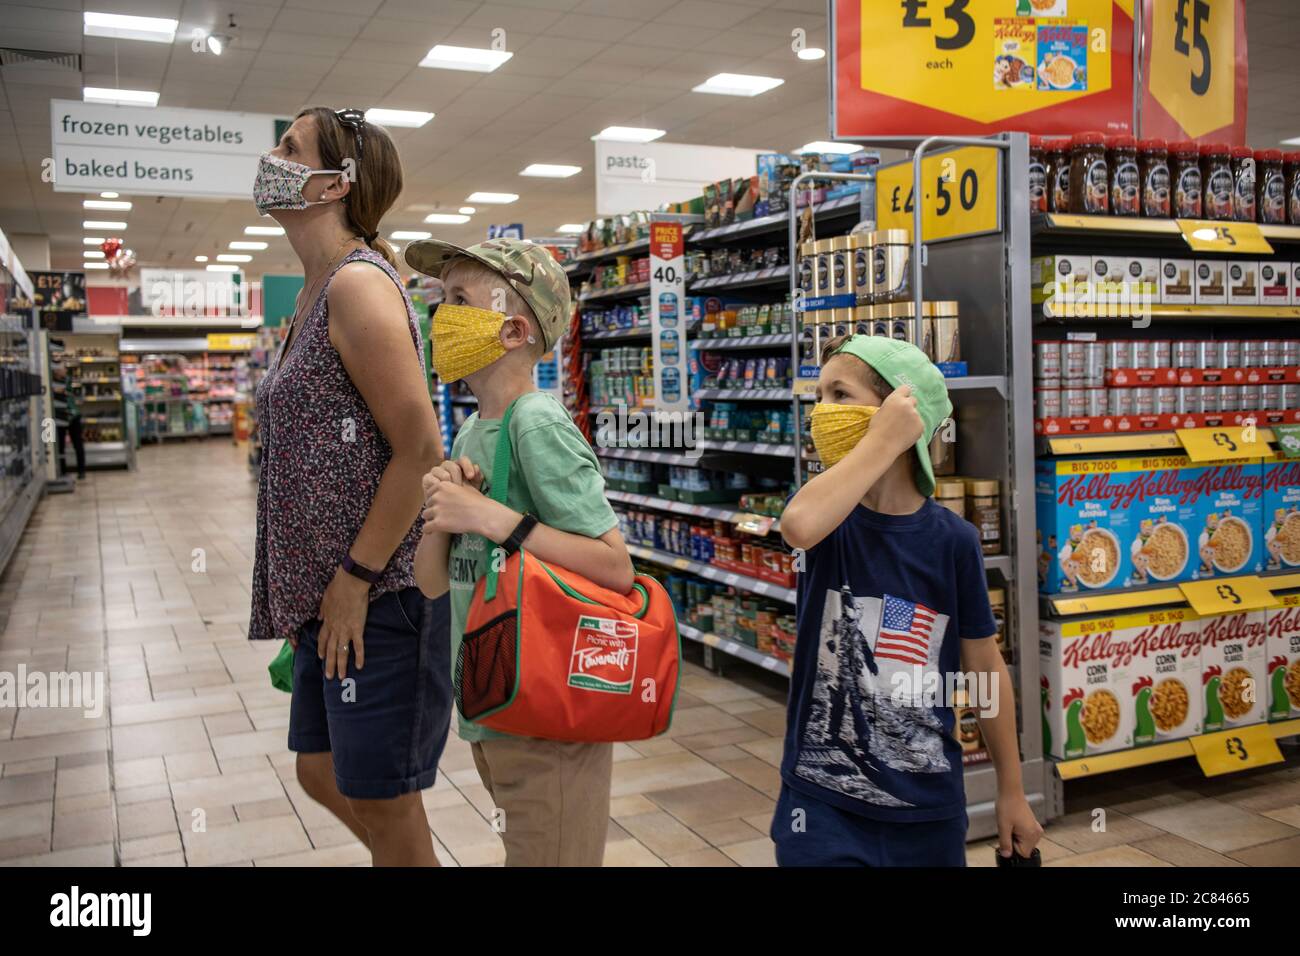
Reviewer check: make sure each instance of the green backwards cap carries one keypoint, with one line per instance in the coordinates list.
(902, 363)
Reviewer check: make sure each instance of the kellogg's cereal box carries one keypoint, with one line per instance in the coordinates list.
(1229, 536)
(1062, 55)
(1281, 513)
(1166, 688)
(1233, 669)
(1087, 676)
(1014, 56)
(1282, 647)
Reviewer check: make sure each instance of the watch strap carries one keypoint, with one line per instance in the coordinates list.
(516, 540)
(359, 570)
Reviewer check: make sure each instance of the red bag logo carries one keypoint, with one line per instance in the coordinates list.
(604, 655)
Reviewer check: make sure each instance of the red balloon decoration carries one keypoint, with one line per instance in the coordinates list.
(110, 247)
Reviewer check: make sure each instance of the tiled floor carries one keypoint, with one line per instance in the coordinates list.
(145, 575)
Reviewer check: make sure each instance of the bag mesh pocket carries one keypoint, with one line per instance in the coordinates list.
(486, 666)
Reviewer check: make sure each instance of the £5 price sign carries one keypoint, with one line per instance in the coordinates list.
(1194, 61)
(975, 67)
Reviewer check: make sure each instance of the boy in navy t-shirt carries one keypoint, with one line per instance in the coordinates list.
(892, 604)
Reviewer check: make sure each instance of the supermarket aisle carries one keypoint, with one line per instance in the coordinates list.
(110, 578)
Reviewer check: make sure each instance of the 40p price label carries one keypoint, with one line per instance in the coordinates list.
(961, 194)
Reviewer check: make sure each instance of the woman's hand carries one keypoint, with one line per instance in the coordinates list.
(343, 621)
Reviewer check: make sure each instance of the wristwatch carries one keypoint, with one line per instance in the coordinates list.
(359, 570)
(516, 540)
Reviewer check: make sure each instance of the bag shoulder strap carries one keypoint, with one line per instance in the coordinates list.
(500, 492)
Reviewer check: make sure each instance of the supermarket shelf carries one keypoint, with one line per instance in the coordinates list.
(836, 208)
(614, 335)
(1143, 756)
(1189, 313)
(781, 339)
(1063, 225)
(735, 649)
(1066, 604)
(618, 292)
(651, 455)
(1130, 441)
(999, 562)
(741, 280)
(977, 383)
(730, 578)
(742, 394)
(716, 512)
(748, 448)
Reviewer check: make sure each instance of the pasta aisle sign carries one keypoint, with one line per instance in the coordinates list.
(974, 67)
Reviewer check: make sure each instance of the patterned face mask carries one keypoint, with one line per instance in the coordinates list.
(836, 429)
(279, 184)
(465, 339)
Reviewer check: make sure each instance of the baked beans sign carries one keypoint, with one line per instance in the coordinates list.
(974, 67)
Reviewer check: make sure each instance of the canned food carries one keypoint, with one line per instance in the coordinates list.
(1207, 354)
(1211, 399)
(1144, 400)
(1271, 353)
(1252, 353)
(1094, 365)
(1230, 398)
(1047, 361)
(1188, 400)
(1074, 361)
(1119, 401)
(1140, 350)
(1118, 355)
(1160, 353)
(1096, 402)
(1290, 397)
(1291, 352)
(1250, 398)
(1074, 402)
(1047, 402)
(1184, 355)
(1270, 398)
(1167, 399)
(1230, 354)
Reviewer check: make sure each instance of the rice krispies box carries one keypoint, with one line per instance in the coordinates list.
(1233, 669)
(1111, 683)
(1229, 535)
(1281, 513)
(1121, 522)
(1282, 648)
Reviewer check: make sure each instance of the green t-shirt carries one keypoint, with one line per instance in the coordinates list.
(553, 474)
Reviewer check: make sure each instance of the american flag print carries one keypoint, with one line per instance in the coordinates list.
(907, 630)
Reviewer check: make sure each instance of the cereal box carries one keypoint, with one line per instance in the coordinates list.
(1230, 531)
(1281, 513)
(1176, 285)
(1014, 56)
(1167, 703)
(1283, 651)
(1062, 55)
(1233, 669)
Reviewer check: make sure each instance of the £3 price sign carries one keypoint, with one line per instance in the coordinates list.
(1194, 61)
(960, 194)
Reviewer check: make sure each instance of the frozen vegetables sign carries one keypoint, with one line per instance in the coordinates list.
(973, 67)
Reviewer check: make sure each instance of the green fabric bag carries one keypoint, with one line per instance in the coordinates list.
(281, 669)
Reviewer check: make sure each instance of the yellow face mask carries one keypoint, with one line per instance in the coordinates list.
(465, 339)
(836, 429)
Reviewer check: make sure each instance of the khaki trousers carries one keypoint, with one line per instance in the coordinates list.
(554, 795)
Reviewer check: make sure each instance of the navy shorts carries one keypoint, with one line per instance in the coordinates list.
(825, 835)
(386, 731)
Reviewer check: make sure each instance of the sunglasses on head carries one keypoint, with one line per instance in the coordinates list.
(354, 120)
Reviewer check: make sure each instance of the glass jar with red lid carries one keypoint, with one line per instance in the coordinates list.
(1153, 170)
(1185, 174)
(1291, 164)
(1270, 186)
(1216, 181)
(1058, 173)
(1037, 175)
(1089, 174)
(1243, 183)
(1125, 177)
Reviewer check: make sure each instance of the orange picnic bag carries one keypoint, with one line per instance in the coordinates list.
(547, 653)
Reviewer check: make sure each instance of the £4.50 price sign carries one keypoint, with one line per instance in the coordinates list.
(960, 195)
(916, 67)
(1195, 64)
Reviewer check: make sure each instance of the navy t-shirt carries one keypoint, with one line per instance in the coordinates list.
(883, 603)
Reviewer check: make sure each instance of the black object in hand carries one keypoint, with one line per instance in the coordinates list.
(1015, 859)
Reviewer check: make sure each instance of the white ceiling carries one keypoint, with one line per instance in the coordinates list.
(579, 65)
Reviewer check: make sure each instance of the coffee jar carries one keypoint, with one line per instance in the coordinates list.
(1185, 172)
(1153, 169)
(1216, 181)
(1089, 175)
(1058, 173)
(1037, 175)
(1125, 176)
(1291, 164)
(1244, 174)
(1270, 186)
(891, 257)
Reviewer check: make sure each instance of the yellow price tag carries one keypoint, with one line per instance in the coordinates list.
(1227, 595)
(1194, 62)
(1231, 750)
(230, 342)
(960, 190)
(754, 524)
(1208, 235)
(1228, 441)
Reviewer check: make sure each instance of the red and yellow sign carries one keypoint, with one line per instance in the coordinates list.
(1194, 63)
(974, 67)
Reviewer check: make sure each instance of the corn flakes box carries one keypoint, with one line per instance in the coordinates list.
(1229, 537)
(1165, 692)
(1282, 648)
(1087, 672)
(1281, 513)
(1233, 669)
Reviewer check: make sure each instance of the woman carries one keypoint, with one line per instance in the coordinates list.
(348, 432)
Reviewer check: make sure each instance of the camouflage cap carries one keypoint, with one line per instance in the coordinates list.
(529, 269)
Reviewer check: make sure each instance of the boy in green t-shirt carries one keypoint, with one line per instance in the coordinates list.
(506, 304)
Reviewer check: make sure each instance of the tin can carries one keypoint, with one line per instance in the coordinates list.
(1250, 398)
(1074, 402)
(1290, 397)
(943, 328)
(1096, 402)
(1047, 403)
(1074, 362)
(1184, 355)
(1119, 401)
(1252, 353)
(1230, 354)
(1188, 400)
(1230, 398)
(891, 256)
(1167, 399)
(1211, 399)
(1161, 353)
(1144, 400)
(1207, 354)
(1270, 398)
(1119, 355)
(1140, 350)
(1291, 352)
(1047, 361)
(1271, 353)
(862, 321)
(1094, 365)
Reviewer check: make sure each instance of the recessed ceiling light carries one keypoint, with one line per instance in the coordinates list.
(264, 230)
(550, 171)
(200, 258)
(101, 94)
(821, 146)
(114, 204)
(93, 241)
(410, 119)
(571, 228)
(215, 267)
(121, 27)
(94, 265)
(446, 218)
(108, 195)
(244, 244)
(409, 234)
(466, 210)
(92, 254)
(629, 134)
(737, 84)
(811, 53)
(498, 198)
(103, 224)
(234, 257)
(444, 57)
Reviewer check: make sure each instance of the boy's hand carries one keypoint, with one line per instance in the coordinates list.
(460, 471)
(898, 424)
(1017, 825)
